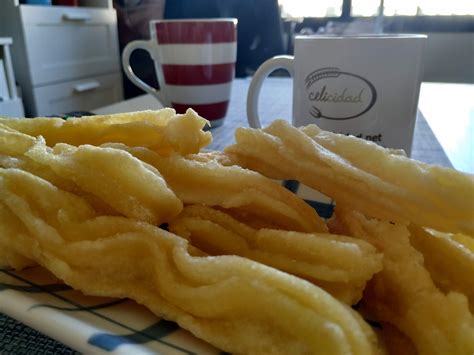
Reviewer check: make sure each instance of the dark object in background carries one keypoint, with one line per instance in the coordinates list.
(259, 31)
(66, 2)
(36, 2)
(77, 114)
(133, 17)
(67, 115)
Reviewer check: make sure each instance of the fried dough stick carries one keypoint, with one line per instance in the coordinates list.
(209, 183)
(113, 180)
(360, 175)
(14, 143)
(162, 130)
(450, 263)
(340, 265)
(233, 303)
(403, 293)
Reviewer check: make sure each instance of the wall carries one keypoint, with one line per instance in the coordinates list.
(449, 57)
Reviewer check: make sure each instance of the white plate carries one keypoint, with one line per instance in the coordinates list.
(90, 324)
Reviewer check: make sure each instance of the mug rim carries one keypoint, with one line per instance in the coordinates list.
(215, 19)
(363, 36)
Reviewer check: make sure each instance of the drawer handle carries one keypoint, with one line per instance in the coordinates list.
(77, 16)
(91, 85)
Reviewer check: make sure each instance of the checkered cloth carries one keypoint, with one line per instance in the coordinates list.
(18, 339)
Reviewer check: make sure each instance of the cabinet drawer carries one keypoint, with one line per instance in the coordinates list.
(65, 43)
(78, 95)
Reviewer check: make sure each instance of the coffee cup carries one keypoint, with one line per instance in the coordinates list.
(365, 85)
(194, 62)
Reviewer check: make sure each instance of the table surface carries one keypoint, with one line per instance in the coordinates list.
(443, 136)
(449, 110)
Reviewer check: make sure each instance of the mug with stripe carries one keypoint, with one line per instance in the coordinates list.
(194, 62)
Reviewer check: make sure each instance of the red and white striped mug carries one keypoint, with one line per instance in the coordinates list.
(194, 62)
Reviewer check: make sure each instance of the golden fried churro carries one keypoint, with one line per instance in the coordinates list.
(395, 342)
(128, 185)
(14, 143)
(450, 263)
(360, 175)
(234, 303)
(341, 265)
(8, 257)
(207, 182)
(163, 130)
(111, 179)
(464, 240)
(403, 293)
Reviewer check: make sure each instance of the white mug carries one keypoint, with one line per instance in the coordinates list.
(366, 85)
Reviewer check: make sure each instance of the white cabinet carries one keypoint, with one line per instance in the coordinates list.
(56, 48)
(78, 95)
(10, 102)
(66, 43)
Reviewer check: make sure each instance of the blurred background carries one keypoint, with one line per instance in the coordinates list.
(64, 55)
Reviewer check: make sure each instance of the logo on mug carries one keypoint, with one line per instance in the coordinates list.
(337, 95)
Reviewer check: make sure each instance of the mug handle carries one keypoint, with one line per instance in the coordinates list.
(269, 66)
(127, 52)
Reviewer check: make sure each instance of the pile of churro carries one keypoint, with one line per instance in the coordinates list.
(132, 206)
